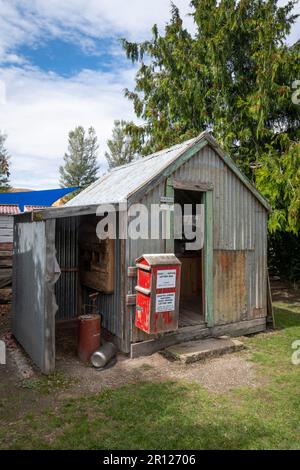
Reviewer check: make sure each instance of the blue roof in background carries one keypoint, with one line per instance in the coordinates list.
(35, 198)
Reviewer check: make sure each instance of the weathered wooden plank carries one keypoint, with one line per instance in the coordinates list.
(125, 326)
(50, 301)
(188, 333)
(65, 211)
(6, 294)
(146, 348)
(69, 270)
(208, 259)
(128, 287)
(7, 246)
(131, 299)
(99, 275)
(6, 254)
(132, 271)
(270, 310)
(6, 262)
(192, 186)
(5, 272)
(170, 194)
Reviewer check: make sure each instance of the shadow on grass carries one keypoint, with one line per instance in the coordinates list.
(157, 416)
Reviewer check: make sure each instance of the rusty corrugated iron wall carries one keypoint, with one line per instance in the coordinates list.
(239, 237)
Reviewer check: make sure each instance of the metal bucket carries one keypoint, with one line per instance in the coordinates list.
(89, 335)
(103, 355)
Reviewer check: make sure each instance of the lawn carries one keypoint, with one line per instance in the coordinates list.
(173, 415)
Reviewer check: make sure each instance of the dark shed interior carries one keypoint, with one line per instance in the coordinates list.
(89, 280)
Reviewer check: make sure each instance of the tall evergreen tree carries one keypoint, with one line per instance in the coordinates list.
(121, 146)
(80, 162)
(4, 164)
(234, 76)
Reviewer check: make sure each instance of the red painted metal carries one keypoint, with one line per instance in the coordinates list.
(89, 335)
(158, 290)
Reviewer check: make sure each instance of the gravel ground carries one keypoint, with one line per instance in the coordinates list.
(217, 374)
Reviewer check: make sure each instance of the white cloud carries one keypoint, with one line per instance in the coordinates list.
(32, 21)
(41, 108)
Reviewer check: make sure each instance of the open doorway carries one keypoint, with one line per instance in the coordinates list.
(87, 283)
(191, 307)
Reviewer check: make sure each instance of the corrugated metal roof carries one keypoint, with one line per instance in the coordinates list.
(9, 209)
(120, 182)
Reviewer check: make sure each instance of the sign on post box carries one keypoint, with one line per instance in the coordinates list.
(158, 291)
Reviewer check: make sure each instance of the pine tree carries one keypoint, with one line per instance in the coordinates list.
(233, 76)
(4, 164)
(121, 146)
(80, 162)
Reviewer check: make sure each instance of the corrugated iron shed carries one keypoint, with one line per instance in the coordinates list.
(233, 263)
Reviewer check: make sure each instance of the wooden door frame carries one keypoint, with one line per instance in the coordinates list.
(207, 260)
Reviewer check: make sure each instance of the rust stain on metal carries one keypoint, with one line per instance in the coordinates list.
(258, 313)
(225, 261)
(230, 286)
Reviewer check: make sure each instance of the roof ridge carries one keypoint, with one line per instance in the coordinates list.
(118, 185)
(151, 155)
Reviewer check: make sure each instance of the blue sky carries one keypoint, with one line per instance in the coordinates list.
(67, 59)
(61, 65)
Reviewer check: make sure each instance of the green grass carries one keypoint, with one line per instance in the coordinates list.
(172, 415)
(47, 384)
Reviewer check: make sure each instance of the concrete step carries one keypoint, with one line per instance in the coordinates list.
(193, 351)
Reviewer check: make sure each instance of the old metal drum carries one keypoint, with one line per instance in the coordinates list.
(89, 336)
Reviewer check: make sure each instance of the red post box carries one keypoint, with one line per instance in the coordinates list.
(158, 291)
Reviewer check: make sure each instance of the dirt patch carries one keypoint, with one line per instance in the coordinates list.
(284, 292)
(218, 375)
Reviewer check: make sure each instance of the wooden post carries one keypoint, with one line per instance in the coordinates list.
(50, 301)
(170, 193)
(208, 258)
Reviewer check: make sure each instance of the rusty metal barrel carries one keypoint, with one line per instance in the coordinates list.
(89, 338)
